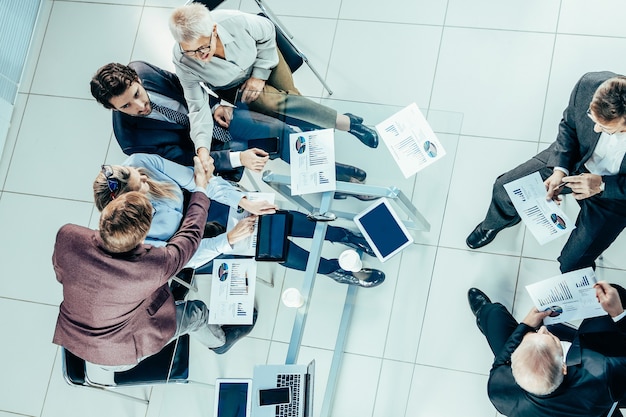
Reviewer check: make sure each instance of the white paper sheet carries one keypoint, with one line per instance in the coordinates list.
(410, 139)
(233, 284)
(247, 246)
(545, 219)
(570, 296)
(312, 161)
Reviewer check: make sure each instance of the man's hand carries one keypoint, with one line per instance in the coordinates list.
(223, 115)
(534, 318)
(254, 159)
(252, 89)
(242, 230)
(200, 175)
(553, 187)
(206, 160)
(258, 207)
(608, 298)
(584, 185)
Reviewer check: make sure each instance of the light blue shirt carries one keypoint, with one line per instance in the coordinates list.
(168, 213)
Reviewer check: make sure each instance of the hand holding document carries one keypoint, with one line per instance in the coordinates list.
(545, 219)
(232, 291)
(570, 296)
(247, 246)
(312, 161)
(411, 140)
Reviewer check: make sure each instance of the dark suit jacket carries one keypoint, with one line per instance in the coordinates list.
(169, 140)
(594, 381)
(118, 308)
(576, 139)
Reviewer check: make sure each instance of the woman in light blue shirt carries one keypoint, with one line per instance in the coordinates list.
(164, 181)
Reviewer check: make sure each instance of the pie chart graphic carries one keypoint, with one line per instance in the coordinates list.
(554, 310)
(558, 221)
(223, 272)
(300, 144)
(430, 149)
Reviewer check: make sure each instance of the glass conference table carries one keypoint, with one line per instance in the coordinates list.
(279, 332)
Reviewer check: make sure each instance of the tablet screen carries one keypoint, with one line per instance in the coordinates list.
(233, 398)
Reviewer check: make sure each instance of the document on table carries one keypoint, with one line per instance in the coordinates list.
(232, 291)
(570, 296)
(545, 219)
(411, 140)
(312, 161)
(247, 246)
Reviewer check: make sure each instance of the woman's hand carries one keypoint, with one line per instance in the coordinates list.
(252, 89)
(242, 230)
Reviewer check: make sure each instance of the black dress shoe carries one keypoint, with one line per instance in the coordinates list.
(356, 241)
(366, 277)
(343, 196)
(349, 173)
(481, 237)
(233, 333)
(477, 300)
(366, 135)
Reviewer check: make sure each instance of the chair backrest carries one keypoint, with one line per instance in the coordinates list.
(210, 4)
(171, 364)
(291, 54)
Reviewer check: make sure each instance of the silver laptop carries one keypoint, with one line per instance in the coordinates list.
(283, 390)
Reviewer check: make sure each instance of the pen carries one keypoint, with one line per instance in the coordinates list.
(561, 185)
(246, 282)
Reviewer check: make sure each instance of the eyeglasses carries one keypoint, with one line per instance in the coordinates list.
(112, 183)
(602, 128)
(201, 50)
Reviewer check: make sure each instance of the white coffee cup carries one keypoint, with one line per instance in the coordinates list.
(292, 298)
(350, 261)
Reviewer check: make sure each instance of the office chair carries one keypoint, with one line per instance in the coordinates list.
(170, 365)
(292, 54)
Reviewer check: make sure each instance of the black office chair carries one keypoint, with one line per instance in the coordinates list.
(170, 365)
(292, 54)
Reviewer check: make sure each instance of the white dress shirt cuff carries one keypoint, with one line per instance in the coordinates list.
(619, 317)
(235, 159)
(562, 170)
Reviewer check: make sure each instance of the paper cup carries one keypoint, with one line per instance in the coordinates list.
(350, 261)
(292, 298)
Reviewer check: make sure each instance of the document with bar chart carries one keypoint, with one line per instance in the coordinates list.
(545, 219)
(312, 162)
(232, 291)
(247, 246)
(410, 140)
(570, 296)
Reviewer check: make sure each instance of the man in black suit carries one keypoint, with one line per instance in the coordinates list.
(132, 90)
(587, 159)
(529, 376)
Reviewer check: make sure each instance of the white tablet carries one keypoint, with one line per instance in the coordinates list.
(233, 397)
(383, 229)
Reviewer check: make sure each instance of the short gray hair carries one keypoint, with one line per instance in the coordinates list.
(191, 22)
(537, 366)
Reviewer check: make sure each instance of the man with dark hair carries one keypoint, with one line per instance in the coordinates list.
(117, 307)
(531, 376)
(150, 115)
(587, 160)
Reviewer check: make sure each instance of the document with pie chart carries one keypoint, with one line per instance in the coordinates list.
(545, 219)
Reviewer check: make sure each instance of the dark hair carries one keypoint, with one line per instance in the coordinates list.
(609, 100)
(125, 222)
(110, 81)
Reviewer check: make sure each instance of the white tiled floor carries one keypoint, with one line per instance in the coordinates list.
(505, 69)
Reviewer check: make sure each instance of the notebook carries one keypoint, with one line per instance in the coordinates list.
(383, 229)
(283, 390)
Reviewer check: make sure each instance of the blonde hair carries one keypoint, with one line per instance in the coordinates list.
(125, 222)
(191, 22)
(102, 195)
(537, 365)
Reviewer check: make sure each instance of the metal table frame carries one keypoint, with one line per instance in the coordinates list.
(281, 183)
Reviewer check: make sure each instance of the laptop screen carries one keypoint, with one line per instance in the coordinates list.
(233, 398)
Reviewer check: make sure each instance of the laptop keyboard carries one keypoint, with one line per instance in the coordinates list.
(293, 408)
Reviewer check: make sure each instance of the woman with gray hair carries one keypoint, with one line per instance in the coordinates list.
(233, 53)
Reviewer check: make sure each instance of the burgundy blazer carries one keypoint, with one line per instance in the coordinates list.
(118, 308)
